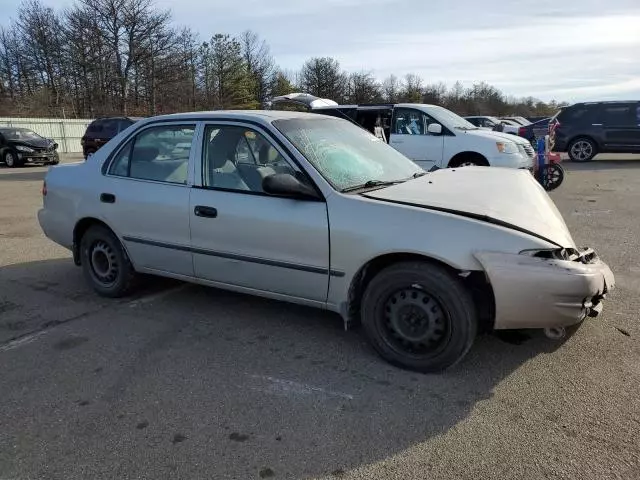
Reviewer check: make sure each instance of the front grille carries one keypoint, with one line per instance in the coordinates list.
(529, 149)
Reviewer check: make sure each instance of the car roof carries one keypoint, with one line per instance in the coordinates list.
(263, 116)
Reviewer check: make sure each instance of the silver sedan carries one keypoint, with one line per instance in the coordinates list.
(314, 210)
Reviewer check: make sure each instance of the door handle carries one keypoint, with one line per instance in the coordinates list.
(397, 141)
(206, 212)
(107, 198)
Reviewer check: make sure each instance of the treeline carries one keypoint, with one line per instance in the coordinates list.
(124, 57)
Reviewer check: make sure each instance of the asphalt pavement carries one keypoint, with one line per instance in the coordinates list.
(182, 381)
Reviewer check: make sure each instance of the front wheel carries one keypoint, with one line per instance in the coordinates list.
(105, 264)
(11, 160)
(582, 150)
(418, 316)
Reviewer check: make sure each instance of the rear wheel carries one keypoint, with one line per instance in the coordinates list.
(105, 264)
(552, 175)
(418, 316)
(582, 150)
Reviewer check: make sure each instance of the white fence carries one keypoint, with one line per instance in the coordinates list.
(65, 132)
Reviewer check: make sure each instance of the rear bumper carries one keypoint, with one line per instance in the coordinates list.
(55, 228)
(535, 292)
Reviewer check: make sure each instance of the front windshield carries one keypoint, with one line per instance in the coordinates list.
(346, 155)
(19, 134)
(448, 118)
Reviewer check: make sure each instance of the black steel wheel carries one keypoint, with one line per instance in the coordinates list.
(104, 262)
(419, 316)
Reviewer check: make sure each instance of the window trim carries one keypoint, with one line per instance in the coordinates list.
(131, 139)
(275, 143)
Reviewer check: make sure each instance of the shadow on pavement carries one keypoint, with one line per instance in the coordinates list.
(210, 384)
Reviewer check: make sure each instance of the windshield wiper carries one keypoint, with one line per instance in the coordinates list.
(371, 184)
(418, 174)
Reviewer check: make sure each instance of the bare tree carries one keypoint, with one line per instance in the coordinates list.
(391, 89)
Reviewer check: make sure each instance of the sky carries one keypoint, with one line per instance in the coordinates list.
(568, 50)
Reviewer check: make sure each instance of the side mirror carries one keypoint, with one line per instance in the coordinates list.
(434, 129)
(287, 185)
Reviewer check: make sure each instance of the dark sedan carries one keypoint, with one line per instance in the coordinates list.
(536, 130)
(20, 146)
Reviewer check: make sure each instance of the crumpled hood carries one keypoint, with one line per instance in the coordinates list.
(501, 136)
(34, 142)
(505, 196)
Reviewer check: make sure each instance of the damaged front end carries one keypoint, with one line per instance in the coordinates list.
(546, 288)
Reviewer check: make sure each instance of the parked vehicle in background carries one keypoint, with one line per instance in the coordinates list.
(586, 129)
(21, 146)
(101, 130)
(429, 135)
(517, 120)
(493, 123)
(314, 210)
(536, 130)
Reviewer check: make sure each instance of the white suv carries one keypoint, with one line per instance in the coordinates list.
(429, 135)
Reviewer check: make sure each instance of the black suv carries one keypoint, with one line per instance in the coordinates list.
(101, 130)
(586, 129)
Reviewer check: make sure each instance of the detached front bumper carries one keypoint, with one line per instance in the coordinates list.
(533, 292)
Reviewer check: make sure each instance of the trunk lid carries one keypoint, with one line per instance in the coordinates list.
(504, 196)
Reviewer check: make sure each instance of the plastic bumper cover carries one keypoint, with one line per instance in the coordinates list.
(533, 292)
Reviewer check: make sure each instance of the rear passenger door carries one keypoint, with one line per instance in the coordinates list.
(621, 122)
(245, 238)
(145, 197)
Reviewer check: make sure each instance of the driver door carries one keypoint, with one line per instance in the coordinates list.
(246, 238)
(410, 137)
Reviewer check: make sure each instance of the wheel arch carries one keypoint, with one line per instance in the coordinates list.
(468, 154)
(476, 281)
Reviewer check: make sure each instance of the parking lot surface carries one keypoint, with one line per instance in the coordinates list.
(182, 381)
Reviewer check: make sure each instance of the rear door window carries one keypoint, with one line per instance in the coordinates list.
(619, 115)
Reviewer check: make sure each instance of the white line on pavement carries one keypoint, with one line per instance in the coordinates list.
(22, 341)
(157, 296)
(289, 388)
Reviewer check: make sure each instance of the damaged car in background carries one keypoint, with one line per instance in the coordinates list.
(314, 210)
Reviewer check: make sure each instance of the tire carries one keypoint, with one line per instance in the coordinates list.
(419, 317)
(582, 150)
(468, 161)
(11, 160)
(554, 174)
(105, 264)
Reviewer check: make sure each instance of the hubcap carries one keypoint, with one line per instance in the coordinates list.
(581, 150)
(415, 322)
(9, 160)
(104, 263)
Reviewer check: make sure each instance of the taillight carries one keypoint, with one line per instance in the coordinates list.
(522, 131)
(44, 188)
